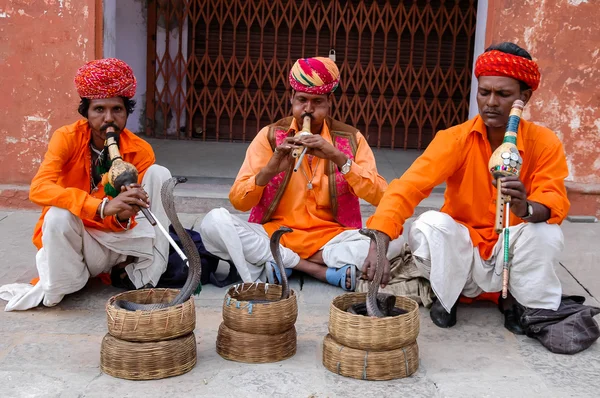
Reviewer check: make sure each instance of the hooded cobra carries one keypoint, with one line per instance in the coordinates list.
(378, 305)
(189, 248)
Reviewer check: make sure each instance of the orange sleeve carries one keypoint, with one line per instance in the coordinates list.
(440, 160)
(143, 160)
(547, 185)
(44, 190)
(363, 177)
(244, 193)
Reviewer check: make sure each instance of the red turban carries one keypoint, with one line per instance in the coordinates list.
(314, 75)
(498, 63)
(105, 78)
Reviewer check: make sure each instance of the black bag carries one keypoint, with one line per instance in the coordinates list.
(176, 273)
(568, 330)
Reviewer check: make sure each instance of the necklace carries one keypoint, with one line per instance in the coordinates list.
(310, 185)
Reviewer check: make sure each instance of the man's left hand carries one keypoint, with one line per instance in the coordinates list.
(320, 148)
(513, 187)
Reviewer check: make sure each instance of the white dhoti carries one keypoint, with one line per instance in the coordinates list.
(444, 252)
(247, 245)
(72, 253)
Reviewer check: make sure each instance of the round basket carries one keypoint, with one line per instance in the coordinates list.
(255, 348)
(370, 365)
(242, 315)
(147, 361)
(373, 334)
(156, 325)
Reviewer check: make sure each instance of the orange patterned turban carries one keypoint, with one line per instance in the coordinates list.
(105, 78)
(317, 75)
(498, 63)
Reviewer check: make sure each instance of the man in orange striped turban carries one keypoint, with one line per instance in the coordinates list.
(319, 201)
(86, 230)
(457, 248)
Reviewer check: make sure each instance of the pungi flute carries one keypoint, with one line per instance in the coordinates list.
(300, 152)
(506, 161)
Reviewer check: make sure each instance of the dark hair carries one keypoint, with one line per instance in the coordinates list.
(513, 49)
(84, 106)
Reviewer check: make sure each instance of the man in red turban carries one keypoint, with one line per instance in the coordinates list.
(319, 201)
(457, 248)
(87, 229)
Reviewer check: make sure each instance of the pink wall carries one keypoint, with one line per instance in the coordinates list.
(563, 37)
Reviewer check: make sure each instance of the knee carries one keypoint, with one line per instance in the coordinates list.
(436, 219)
(59, 220)
(159, 172)
(211, 221)
(546, 237)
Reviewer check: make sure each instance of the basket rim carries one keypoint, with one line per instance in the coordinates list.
(409, 314)
(110, 306)
(263, 285)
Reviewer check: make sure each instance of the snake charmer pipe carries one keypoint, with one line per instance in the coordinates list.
(299, 152)
(506, 161)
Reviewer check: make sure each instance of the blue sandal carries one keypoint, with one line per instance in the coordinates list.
(273, 272)
(337, 277)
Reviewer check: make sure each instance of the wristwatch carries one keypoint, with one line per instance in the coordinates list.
(529, 211)
(346, 167)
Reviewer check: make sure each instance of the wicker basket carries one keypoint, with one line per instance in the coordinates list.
(373, 334)
(255, 348)
(147, 361)
(370, 365)
(240, 314)
(140, 326)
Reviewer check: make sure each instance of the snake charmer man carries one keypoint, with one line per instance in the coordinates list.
(457, 248)
(319, 201)
(87, 227)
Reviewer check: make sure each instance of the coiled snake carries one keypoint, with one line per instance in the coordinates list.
(189, 248)
(378, 305)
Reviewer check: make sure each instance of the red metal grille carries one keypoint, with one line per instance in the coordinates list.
(405, 65)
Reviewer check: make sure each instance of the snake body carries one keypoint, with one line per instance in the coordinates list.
(189, 248)
(378, 305)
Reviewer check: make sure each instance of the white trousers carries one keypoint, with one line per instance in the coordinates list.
(247, 244)
(444, 252)
(72, 253)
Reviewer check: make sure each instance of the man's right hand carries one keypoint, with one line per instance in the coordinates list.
(370, 265)
(281, 160)
(127, 203)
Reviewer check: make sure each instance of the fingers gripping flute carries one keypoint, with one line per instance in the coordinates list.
(300, 152)
(122, 173)
(506, 161)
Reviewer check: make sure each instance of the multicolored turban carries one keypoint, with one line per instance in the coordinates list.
(317, 75)
(105, 78)
(498, 63)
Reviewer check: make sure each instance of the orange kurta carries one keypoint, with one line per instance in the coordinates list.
(459, 156)
(63, 179)
(307, 212)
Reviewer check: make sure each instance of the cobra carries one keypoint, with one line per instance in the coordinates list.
(378, 305)
(193, 260)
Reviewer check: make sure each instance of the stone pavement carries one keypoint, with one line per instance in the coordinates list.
(55, 352)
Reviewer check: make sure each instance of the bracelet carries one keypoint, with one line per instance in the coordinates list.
(121, 225)
(104, 201)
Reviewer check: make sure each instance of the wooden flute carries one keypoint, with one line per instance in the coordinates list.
(300, 152)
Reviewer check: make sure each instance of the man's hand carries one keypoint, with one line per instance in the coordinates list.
(370, 263)
(320, 148)
(280, 161)
(513, 187)
(127, 203)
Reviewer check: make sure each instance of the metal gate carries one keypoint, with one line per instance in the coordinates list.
(217, 70)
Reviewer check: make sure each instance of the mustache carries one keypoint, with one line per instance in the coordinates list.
(107, 125)
(306, 114)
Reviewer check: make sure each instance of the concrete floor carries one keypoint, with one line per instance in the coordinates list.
(55, 352)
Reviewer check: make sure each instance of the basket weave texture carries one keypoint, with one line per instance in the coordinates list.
(149, 360)
(254, 332)
(373, 334)
(370, 365)
(255, 348)
(156, 325)
(242, 315)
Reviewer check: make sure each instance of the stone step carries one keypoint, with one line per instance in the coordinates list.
(199, 195)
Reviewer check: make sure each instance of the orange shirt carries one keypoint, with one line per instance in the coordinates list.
(459, 156)
(63, 179)
(307, 212)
